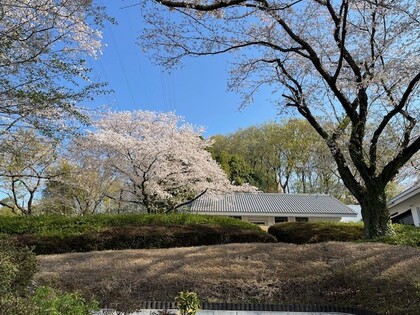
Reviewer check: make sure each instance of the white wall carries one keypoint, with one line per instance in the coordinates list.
(358, 218)
(412, 203)
(325, 219)
(269, 220)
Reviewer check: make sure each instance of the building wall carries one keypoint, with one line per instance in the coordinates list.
(411, 204)
(329, 219)
(270, 220)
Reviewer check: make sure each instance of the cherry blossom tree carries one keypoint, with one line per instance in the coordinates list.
(162, 160)
(341, 63)
(43, 72)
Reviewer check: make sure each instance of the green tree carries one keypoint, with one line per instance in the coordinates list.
(355, 63)
(280, 157)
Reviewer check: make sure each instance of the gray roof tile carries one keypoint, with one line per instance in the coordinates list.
(266, 203)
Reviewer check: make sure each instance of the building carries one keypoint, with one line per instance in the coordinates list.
(405, 208)
(269, 208)
(358, 218)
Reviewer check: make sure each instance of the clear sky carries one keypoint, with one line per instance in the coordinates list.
(197, 91)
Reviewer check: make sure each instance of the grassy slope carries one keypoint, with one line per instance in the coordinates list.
(373, 276)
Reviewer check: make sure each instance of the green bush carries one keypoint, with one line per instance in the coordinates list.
(17, 297)
(46, 301)
(404, 235)
(315, 232)
(17, 266)
(143, 236)
(188, 303)
(64, 225)
(60, 234)
(50, 302)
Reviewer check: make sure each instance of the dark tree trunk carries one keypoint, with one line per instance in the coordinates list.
(375, 213)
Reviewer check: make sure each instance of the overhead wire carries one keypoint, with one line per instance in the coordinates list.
(143, 88)
(167, 83)
(121, 63)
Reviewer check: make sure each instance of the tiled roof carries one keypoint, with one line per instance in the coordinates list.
(266, 203)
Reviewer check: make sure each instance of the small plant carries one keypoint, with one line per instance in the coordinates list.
(188, 303)
(51, 302)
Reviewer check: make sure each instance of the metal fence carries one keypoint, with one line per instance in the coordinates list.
(260, 307)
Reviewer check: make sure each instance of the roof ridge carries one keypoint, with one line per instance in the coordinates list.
(281, 194)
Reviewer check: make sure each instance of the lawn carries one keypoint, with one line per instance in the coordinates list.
(373, 276)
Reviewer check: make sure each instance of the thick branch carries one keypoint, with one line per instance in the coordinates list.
(397, 109)
(187, 202)
(200, 7)
(391, 169)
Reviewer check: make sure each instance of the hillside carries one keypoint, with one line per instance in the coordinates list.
(373, 276)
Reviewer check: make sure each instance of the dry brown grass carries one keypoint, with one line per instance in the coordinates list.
(375, 276)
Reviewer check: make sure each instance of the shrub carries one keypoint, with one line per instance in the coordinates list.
(60, 234)
(188, 303)
(404, 235)
(46, 301)
(17, 266)
(50, 302)
(62, 225)
(315, 232)
(143, 236)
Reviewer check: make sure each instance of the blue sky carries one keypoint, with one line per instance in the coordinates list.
(197, 91)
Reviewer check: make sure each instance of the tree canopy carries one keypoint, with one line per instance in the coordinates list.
(352, 63)
(161, 160)
(288, 157)
(43, 73)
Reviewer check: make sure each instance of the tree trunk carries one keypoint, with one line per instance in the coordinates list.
(375, 213)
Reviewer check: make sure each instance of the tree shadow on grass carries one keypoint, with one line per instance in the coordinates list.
(370, 276)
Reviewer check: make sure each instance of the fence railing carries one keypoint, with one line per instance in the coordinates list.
(164, 305)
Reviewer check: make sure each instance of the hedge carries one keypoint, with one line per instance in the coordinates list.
(316, 232)
(142, 236)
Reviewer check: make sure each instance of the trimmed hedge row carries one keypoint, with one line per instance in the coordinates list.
(142, 236)
(56, 225)
(316, 232)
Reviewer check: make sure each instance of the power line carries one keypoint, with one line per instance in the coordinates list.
(127, 82)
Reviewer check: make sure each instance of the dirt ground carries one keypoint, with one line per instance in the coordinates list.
(371, 276)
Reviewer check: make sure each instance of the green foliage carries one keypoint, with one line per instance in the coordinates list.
(316, 232)
(55, 225)
(143, 236)
(235, 166)
(289, 156)
(17, 266)
(188, 303)
(58, 234)
(46, 301)
(50, 302)
(404, 235)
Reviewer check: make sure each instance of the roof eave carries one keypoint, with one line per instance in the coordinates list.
(256, 214)
(407, 194)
